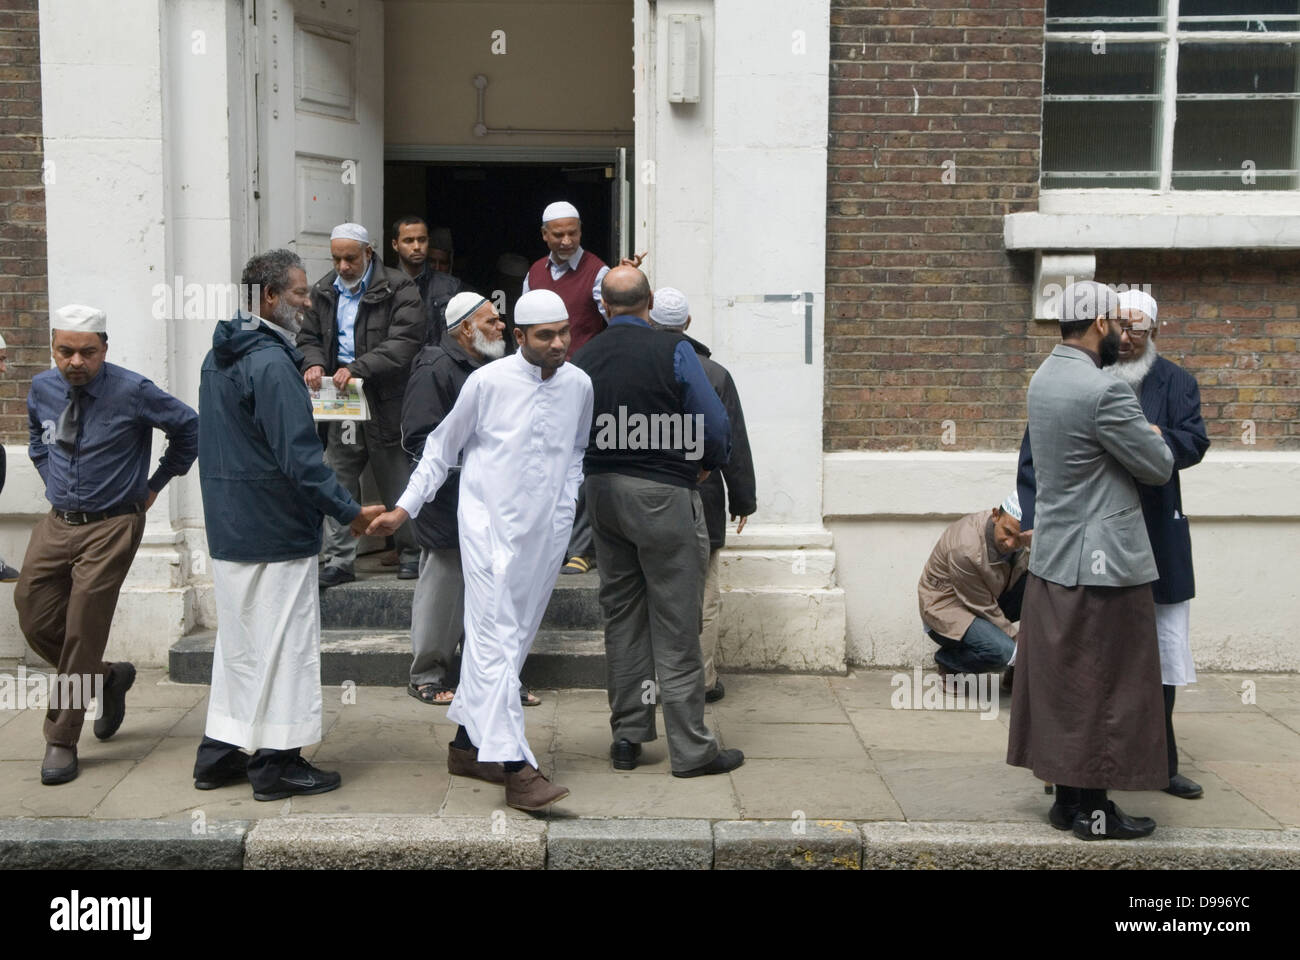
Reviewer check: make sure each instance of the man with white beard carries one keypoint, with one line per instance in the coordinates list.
(523, 424)
(473, 337)
(1171, 400)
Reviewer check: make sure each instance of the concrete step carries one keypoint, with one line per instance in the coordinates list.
(382, 602)
(558, 659)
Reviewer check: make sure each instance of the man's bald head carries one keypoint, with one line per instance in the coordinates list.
(626, 291)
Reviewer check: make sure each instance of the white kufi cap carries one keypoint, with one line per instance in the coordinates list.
(1011, 505)
(1138, 300)
(559, 211)
(462, 307)
(79, 318)
(351, 231)
(670, 308)
(540, 306)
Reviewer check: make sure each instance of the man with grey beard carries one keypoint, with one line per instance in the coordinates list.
(1171, 400)
(474, 336)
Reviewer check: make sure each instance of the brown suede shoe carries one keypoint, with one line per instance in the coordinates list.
(529, 790)
(465, 763)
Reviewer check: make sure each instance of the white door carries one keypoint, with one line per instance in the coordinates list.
(320, 123)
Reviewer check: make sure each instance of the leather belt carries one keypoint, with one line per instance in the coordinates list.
(77, 518)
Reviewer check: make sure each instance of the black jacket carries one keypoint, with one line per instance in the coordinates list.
(436, 290)
(437, 376)
(739, 471)
(389, 331)
(261, 470)
(1171, 400)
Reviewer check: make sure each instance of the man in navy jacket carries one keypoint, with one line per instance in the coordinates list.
(265, 489)
(1171, 400)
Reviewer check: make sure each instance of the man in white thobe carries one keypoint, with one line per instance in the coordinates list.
(523, 423)
(265, 489)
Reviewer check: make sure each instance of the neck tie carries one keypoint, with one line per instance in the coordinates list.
(69, 425)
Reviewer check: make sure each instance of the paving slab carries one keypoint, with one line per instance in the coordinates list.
(922, 784)
(995, 846)
(378, 788)
(23, 795)
(1273, 787)
(776, 741)
(161, 786)
(395, 843)
(611, 793)
(1254, 736)
(834, 789)
(778, 699)
(948, 731)
(120, 845)
(786, 845)
(629, 845)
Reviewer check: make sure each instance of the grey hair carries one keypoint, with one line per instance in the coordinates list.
(268, 272)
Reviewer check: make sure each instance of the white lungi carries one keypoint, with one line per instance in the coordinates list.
(1173, 631)
(266, 665)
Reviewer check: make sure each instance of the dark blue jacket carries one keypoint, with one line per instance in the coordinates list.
(1171, 400)
(261, 468)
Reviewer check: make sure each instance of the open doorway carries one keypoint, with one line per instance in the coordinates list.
(493, 212)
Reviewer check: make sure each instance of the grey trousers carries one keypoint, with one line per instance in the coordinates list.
(392, 472)
(437, 616)
(709, 621)
(580, 542)
(652, 549)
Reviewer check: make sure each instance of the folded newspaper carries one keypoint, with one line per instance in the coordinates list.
(328, 403)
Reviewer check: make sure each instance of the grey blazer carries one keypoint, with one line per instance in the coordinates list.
(1095, 441)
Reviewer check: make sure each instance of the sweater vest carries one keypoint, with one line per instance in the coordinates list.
(638, 425)
(574, 288)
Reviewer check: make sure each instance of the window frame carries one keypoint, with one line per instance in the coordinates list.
(1165, 198)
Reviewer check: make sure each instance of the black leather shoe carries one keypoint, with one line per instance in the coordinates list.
(1061, 816)
(625, 754)
(117, 682)
(724, 762)
(1114, 824)
(1007, 676)
(333, 576)
(233, 768)
(300, 779)
(408, 571)
(715, 693)
(1180, 786)
(59, 765)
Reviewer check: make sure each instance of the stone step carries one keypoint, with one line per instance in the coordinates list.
(382, 602)
(558, 659)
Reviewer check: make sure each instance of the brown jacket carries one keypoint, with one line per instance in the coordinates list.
(962, 581)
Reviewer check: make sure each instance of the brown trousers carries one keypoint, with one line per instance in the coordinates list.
(66, 597)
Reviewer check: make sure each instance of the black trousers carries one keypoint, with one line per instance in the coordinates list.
(265, 767)
(1169, 729)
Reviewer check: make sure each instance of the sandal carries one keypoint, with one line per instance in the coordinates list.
(578, 565)
(526, 697)
(430, 692)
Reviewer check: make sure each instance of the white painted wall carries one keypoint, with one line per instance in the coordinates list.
(887, 510)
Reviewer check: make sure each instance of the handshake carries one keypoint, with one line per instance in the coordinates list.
(374, 521)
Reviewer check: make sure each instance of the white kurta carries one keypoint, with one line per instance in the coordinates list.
(1173, 627)
(266, 664)
(523, 439)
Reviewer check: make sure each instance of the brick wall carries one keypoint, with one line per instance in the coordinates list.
(1230, 318)
(23, 288)
(927, 313)
(925, 310)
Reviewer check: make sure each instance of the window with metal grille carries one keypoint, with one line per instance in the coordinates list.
(1171, 95)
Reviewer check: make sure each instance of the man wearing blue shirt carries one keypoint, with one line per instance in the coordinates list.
(91, 424)
(658, 429)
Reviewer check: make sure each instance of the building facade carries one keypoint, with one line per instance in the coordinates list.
(867, 204)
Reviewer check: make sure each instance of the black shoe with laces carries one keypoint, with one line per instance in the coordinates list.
(300, 779)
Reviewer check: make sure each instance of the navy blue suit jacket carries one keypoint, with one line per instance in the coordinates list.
(1171, 400)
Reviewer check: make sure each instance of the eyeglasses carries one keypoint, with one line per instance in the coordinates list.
(1136, 333)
